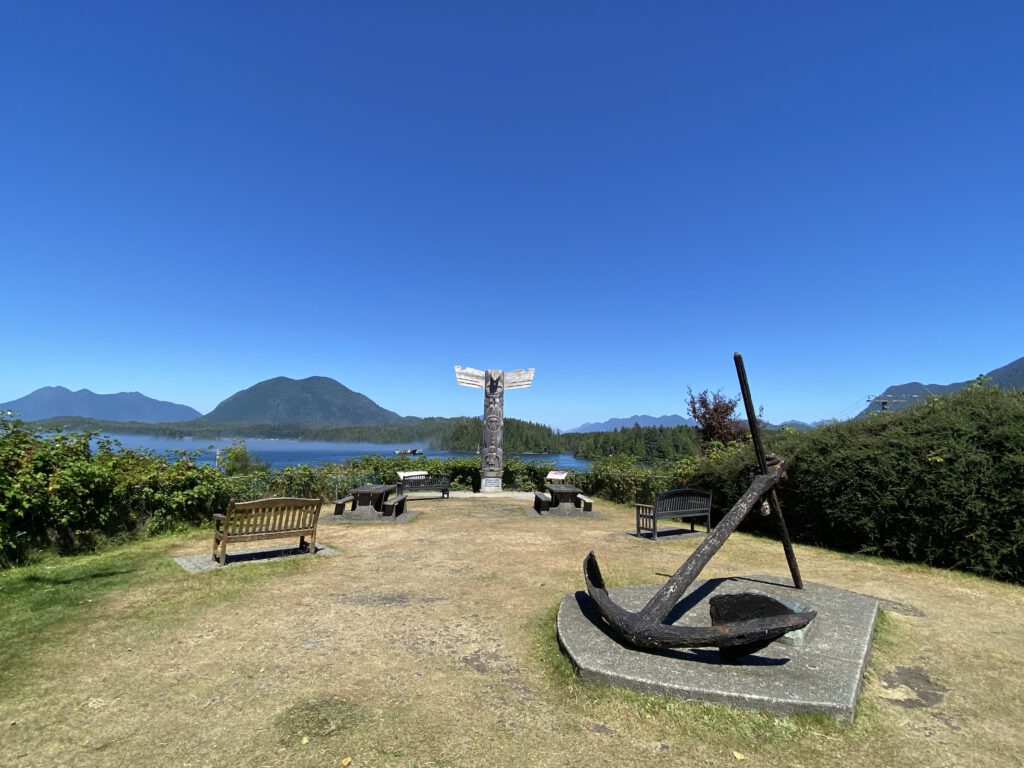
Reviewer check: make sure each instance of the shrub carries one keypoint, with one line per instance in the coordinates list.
(715, 415)
(237, 460)
(619, 478)
(940, 484)
(56, 491)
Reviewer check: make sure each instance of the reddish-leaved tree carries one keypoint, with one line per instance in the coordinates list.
(715, 415)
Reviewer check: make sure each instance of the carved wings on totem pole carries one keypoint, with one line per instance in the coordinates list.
(472, 377)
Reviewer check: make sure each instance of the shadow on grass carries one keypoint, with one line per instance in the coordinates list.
(33, 578)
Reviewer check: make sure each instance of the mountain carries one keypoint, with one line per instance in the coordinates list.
(901, 396)
(314, 402)
(49, 402)
(675, 420)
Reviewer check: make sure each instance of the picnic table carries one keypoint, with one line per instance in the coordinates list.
(565, 499)
(367, 498)
(562, 494)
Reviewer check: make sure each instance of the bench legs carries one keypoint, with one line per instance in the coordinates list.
(641, 519)
(223, 544)
(649, 524)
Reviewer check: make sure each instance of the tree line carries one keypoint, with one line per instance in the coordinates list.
(646, 444)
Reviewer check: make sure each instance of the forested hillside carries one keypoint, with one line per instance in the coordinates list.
(312, 402)
(457, 434)
(646, 444)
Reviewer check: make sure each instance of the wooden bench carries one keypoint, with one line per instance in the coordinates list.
(266, 519)
(678, 504)
(585, 502)
(394, 507)
(424, 482)
(340, 504)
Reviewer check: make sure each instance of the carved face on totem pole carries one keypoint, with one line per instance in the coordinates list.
(494, 417)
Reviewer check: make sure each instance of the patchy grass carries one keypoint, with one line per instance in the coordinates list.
(433, 644)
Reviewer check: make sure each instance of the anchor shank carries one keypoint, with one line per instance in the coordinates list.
(659, 606)
(762, 464)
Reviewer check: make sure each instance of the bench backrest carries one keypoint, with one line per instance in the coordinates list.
(411, 482)
(683, 500)
(269, 515)
(409, 475)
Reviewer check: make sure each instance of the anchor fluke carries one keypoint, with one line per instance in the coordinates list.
(739, 636)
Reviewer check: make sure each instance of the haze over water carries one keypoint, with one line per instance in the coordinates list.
(290, 453)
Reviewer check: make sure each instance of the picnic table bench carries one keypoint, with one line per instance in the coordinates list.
(678, 504)
(421, 480)
(266, 519)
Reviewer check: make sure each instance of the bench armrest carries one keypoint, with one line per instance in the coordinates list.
(644, 507)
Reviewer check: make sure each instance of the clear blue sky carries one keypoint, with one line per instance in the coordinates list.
(197, 196)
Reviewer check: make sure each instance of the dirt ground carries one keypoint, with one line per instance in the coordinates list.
(431, 644)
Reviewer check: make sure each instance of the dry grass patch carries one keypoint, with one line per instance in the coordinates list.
(433, 643)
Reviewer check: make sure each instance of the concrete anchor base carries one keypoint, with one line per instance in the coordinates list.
(821, 674)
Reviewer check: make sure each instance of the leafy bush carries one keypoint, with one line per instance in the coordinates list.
(236, 459)
(619, 478)
(56, 491)
(715, 415)
(940, 484)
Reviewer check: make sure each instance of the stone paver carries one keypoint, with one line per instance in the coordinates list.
(205, 562)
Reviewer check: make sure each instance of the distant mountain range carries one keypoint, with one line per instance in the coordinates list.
(319, 401)
(901, 396)
(314, 402)
(49, 402)
(674, 420)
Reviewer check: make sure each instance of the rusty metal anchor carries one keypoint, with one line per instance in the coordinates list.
(741, 624)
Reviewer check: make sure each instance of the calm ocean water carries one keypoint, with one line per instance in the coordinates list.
(288, 453)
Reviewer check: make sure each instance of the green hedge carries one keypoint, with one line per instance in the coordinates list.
(940, 484)
(56, 492)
